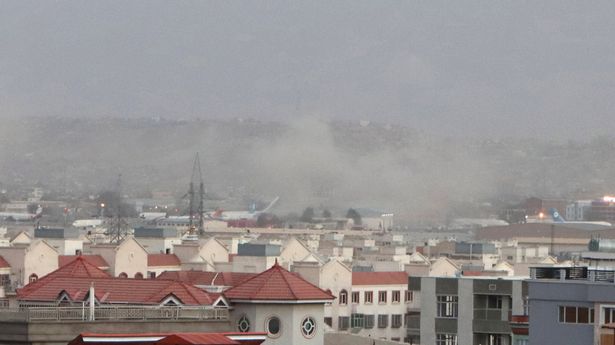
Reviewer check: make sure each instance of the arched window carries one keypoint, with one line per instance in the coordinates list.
(138, 275)
(123, 275)
(273, 327)
(308, 327)
(343, 297)
(33, 277)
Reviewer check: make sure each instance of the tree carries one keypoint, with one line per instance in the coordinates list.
(308, 215)
(326, 213)
(354, 215)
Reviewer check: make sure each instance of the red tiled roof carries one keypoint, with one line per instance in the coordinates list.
(206, 278)
(114, 290)
(78, 267)
(95, 260)
(250, 338)
(277, 284)
(155, 260)
(197, 338)
(4, 263)
(379, 278)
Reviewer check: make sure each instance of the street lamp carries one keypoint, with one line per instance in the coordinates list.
(102, 210)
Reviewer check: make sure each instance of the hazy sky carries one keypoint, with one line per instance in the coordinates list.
(538, 68)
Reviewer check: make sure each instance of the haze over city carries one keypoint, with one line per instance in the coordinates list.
(465, 69)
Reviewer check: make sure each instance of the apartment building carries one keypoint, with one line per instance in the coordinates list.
(377, 304)
(571, 305)
(465, 310)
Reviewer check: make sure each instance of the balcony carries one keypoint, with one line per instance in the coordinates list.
(114, 313)
(491, 320)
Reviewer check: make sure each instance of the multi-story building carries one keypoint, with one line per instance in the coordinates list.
(571, 305)
(377, 303)
(465, 310)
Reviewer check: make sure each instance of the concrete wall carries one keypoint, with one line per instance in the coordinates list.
(290, 315)
(546, 298)
(53, 333)
(349, 339)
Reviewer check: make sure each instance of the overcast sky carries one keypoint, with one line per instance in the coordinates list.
(489, 68)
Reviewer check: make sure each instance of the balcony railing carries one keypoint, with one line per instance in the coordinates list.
(115, 313)
(492, 314)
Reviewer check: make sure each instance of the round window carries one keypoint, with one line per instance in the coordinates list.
(308, 327)
(273, 326)
(243, 324)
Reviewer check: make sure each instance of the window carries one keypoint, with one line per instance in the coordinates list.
(447, 306)
(274, 326)
(243, 325)
(408, 296)
(329, 321)
(383, 321)
(357, 321)
(368, 297)
(569, 314)
(396, 296)
(138, 275)
(396, 320)
(368, 321)
(33, 278)
(5, 280)
(494, 302)
(343, 297)
(446, 339)
(308, 327)
(382, 296)
(123, 275)
(609, 315)
(495, 339)
(355, 297)
(342, 323)
(521, 342)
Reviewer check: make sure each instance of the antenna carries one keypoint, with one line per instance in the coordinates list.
(118, 228)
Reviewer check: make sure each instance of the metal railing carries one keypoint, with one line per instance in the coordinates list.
(113, 313)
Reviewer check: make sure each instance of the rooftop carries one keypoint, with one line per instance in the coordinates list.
(379, 278)
(279, 285)
(154, 260)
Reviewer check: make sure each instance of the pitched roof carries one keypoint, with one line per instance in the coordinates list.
(78, 267)
(114, 290)
(163, 260)
(277, 284)
(206, 278)
(379, 278)
(76, 277)
(95, 260)
(197, 339)
(4, 263)
(249, 338)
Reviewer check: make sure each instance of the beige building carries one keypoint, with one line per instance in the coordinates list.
(128, 259)
(29, 262)
(202, 256)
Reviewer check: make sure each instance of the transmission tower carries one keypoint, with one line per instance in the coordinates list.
(196, 197)
(118, 229)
